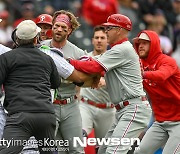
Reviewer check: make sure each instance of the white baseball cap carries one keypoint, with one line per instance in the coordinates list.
(0, 20)
(27, 30)
(142, 36)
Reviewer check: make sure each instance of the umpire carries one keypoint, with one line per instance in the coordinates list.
(27, 75)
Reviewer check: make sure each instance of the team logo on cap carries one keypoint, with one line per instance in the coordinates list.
(42, 18)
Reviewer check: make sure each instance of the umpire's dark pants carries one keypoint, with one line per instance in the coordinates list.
(21, 126)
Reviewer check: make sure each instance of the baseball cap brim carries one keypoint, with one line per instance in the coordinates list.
(38, 29)
(142, 36)
(109, 24)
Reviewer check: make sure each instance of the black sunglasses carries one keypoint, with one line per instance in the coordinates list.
(108, 28)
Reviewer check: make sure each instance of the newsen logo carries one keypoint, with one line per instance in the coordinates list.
(109, 141)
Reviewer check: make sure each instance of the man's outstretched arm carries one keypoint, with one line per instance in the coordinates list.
(90, 67)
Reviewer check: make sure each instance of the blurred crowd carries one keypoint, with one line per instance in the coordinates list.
(162, 16)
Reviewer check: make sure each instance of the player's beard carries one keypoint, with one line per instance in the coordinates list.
(98, 48)
(143, 54)
(59, 38)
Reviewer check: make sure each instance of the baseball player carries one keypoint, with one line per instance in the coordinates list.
(161, 80)
(44, 21)
(69, 123)
(124, 84)
(96, 109)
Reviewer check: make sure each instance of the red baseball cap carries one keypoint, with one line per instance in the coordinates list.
(120, 21)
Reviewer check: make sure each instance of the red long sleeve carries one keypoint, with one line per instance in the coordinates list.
(166, 70)
(89, 67)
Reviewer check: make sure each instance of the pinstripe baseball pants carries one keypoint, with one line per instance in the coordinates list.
(2, 120)
(130, 121)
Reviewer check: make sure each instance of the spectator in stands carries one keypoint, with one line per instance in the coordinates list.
(148, 8)
(176, 10)
(28, 13)
(158, 25)
(130, 9)
(176, 53)
(95, 12)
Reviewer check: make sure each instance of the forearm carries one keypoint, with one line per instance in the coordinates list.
(79, 77)
(88, 83)
(93, 82)
(84, 76)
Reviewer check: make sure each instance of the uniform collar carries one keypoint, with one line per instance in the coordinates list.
(119, 42)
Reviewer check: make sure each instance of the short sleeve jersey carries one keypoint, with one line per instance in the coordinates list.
(123, 76)
(3, 49)
(98, 95)
(69, 51)
(64, 68)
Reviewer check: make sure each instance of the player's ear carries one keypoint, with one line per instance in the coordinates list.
(69, 31)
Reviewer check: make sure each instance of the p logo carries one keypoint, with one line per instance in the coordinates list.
(42, 18)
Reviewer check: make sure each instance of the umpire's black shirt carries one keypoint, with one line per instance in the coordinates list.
(27, 75)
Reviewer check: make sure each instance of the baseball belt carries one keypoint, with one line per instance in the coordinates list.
(125, 103)
(65, 101)
(98, 105)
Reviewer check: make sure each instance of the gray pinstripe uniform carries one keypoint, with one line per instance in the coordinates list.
(2, 118)
(94, 117)
(69, 122)
(124, 82)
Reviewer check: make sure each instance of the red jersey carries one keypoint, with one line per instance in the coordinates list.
(97, 11)
(161, 81)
